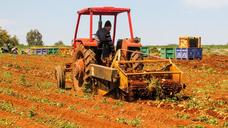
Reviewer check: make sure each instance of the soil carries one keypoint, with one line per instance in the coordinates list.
(28, 84)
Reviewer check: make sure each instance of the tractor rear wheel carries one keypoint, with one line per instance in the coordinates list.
(61, 76)
(81, 72)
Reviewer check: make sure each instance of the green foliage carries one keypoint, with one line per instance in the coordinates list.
(57, 123)
(34, 38)
(105, 101)
(23, 81)
(44, 85)
(122, 120)
(7, 77)
(97, 107)
(136, 122)
(31, 113)
(191, 126)
(182, 116)
(207, 120)
(5, 38)
(71, 107)
(13, 41)
(225, 125)
(119, 103)
(6, 122)
(7, 106)
(59, 43)
(7, 91)
(45, 101)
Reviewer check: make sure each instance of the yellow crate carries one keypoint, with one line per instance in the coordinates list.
(189, 42)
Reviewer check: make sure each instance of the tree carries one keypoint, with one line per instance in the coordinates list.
(34, 38)
(5, 38)
(13, 41)
(59, 43)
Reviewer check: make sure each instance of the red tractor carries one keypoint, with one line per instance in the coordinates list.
(124, 74)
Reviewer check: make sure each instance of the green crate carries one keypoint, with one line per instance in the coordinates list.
(167, 50)
(52, 51)
(145, 50)
(167, 53)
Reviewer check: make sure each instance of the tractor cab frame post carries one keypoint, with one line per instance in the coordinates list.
(109, 11)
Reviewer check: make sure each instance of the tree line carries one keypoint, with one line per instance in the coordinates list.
(33, 38)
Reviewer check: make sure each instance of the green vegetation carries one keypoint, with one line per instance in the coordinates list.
(45, 101)
(34, 38)
(7, 91)
(71, 107)
(207, 120)
(191, 126)
(136, 122)
(31, 112)
(60, 91)
(6, 38)
(23, 81)
(182, 116)
(59, 43)
(104, 101)
(119, 103)
(56, 122)
(87, 96)
(44, 85)
(7, 106)
(225, 125)
(7, 77)
(10, 92)
(97, 107)
(6, 122)
(122, 120)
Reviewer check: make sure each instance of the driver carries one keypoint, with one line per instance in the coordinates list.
(105, 42)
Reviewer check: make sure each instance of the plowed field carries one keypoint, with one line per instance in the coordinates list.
(29, 98)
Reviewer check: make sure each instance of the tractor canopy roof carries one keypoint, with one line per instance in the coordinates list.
(103, 11)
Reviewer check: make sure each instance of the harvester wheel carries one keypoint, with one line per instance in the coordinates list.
(61, 76)
(81, 72)
(134, 57)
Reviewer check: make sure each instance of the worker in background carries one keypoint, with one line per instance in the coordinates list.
(105, 42)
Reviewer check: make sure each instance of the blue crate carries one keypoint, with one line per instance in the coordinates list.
(178, 53)
(198, 53)
(188, 53)
(44, 51)
(38, 51)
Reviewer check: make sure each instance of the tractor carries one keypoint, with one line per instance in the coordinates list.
(128, 75)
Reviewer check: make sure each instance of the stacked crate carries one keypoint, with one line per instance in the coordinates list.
(52, 51)
(145, 51)
(167, 53)
(189, 48)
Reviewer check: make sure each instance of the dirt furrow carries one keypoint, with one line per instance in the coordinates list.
(63, 113)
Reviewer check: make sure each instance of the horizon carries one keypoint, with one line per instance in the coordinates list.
(161, 24)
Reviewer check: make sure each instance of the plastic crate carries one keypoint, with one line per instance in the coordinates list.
(145, 51)
(198, 53)
(44, 51)
(167, 53)
(52, 51)
(38, 51)
(189, 42)
(188, 53)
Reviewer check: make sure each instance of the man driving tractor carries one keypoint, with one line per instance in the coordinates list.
(105, 42)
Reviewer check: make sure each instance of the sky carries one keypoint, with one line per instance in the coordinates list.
(156, 22)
